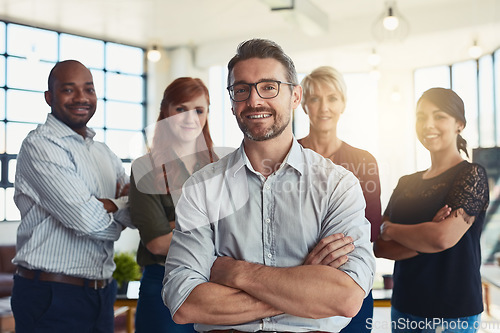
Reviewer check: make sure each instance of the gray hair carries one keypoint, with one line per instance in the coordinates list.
(262, 48)
(326, 75)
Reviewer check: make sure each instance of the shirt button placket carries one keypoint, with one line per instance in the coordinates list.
(267, 228)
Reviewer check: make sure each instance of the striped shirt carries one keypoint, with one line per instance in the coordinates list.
(64, 228)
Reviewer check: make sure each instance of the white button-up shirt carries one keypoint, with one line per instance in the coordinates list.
(229, 209)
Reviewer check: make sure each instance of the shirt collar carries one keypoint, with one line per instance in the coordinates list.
(61, 130)
(294, 159)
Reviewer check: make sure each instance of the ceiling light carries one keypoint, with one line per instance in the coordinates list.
(390, 22)
(154, 55)
(475, 51)
(390, 26)
(302, 14)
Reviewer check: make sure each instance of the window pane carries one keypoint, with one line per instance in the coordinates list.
(124, 115)
(124, 87)
(26, 106)
(89, 52)
(120, 142)
(99, 134)
(97, 120)
(29, 75)
(2, 204)
(2, 37)
(361, 103)
(464, 83)
(124, 59)
(486, 99)
(15, 134)
(98, 82)
(2, 71)
(2, 138)
(127, 166)
(11, 213)
(426, 78)
(137, 143)
(2, 104)
(12, 170)
(35, 44)
(223, 128)
(497, 94)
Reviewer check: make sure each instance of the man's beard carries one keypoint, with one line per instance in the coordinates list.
(275, 130)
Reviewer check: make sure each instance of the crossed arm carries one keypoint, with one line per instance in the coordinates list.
(240, 292)
(399, 241)
(47, 171)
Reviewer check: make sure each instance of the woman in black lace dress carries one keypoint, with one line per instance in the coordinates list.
(432, 225)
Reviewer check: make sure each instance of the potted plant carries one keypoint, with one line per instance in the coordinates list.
(126, 270)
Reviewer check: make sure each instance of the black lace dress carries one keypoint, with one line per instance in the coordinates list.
(445, 284)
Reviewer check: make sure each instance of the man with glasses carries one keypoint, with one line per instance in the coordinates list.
(272, 237)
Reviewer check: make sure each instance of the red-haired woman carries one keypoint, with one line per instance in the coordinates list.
(181, 145)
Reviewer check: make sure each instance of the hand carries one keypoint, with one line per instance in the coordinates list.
(108, 205)
(220, 272)
(383, 231)
(442, 214)
(123, 191)
(172, 225)
(331, 251)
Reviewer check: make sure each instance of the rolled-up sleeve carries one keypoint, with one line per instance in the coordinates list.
(346, 214)
(192, 251)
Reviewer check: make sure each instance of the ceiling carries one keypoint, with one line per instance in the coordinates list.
(440, 30)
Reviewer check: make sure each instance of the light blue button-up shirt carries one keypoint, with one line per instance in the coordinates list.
(229, 209)
(64, 228)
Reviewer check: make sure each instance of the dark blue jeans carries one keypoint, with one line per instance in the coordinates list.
(360, 323)
(406, 323)
(41, 306)
(152, 314)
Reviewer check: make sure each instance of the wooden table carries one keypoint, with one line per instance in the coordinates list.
(124, 304)
(382, 297)
(490, 275)
(7, 323)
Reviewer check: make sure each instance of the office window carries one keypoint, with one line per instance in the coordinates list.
(31, 43)
(2, 72)
(464, 82)
(486, 111)
(27, 55)
(88, 51)
(496, 95)
(223, 127)
(431, 77)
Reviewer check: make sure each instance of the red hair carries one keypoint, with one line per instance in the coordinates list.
(182, 90)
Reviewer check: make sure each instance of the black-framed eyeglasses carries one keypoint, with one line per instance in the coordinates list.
(266, 89)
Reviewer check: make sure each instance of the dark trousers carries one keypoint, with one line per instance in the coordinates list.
(360, 323)
(152, 314)
(41, 306)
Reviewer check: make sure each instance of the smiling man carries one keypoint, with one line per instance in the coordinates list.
(271, 237)
(66, 188)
